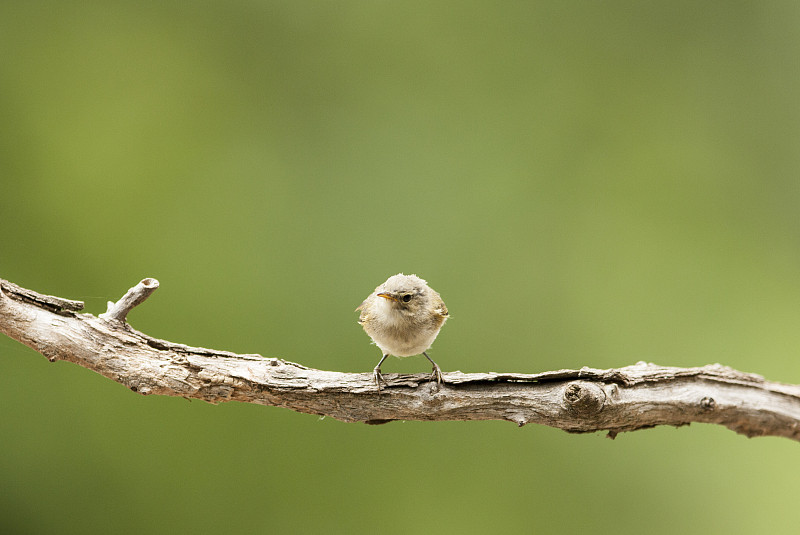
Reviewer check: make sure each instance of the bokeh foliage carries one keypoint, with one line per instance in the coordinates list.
(585, 183)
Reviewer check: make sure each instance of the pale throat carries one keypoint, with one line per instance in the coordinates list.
(391, 314)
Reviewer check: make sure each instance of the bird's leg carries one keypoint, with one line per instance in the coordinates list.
(376, 373)
(436, 374)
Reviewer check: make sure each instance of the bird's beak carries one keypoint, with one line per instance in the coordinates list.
(387, 296)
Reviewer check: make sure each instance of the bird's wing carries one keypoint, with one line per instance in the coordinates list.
(439, 307)
(363, 308)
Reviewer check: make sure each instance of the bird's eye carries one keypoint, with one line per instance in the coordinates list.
(406, 298)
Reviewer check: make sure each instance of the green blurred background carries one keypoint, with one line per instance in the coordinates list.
(585, 183)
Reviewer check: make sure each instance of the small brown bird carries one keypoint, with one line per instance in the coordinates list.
(403, 316)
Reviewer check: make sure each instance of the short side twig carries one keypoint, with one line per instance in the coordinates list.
(579, 401)
(135, 296)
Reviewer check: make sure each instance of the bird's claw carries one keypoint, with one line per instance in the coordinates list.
(376, 374)
(436, 374)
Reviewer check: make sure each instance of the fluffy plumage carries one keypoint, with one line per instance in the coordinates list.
(403, 316)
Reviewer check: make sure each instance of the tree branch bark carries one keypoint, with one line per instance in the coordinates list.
(579, 401)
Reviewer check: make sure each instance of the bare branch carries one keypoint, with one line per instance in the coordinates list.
(624, 399)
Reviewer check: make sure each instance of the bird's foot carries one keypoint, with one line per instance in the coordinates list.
(376, 374)
(436, 374)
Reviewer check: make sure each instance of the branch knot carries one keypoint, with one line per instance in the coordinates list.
(583, 397)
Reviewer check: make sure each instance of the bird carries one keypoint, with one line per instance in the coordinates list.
(403, 316)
